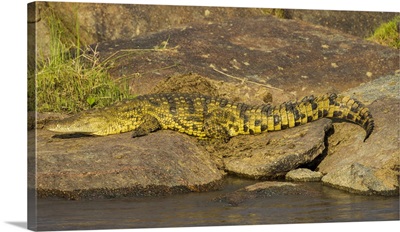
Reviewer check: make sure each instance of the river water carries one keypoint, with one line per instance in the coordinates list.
(202, 209)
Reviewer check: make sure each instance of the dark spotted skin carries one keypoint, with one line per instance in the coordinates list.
(209, 117)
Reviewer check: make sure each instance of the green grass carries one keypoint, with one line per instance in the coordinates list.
(388, 33)
(71, 83)
(279, 13)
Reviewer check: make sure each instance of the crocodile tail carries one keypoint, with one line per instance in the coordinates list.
(341, 107)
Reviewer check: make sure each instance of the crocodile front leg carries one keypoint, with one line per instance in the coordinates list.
(149, 125)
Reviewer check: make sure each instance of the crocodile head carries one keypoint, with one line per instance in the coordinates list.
(90, 122)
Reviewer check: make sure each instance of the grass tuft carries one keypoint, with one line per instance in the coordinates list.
(73, 81)
(388, 33)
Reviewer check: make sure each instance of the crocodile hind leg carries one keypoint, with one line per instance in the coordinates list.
(149, 125)
(218, 124)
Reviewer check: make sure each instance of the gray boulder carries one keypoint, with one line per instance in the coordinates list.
(114, 166)
(363, 179)
(370, 167)
(272, 155)
(303, 174)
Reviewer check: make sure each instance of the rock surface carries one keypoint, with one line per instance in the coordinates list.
(303, 174)
(286, 56)
(272, 155)
(356, 23)
(112, 166)
(359, 178)
(105, 22)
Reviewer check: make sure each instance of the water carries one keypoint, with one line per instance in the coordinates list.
(201, 209)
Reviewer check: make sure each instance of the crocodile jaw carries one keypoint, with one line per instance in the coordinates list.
(80, 125)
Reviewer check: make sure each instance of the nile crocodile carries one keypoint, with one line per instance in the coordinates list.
(210, 117)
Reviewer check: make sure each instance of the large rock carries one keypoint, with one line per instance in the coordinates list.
(286, 56)
(370, 167)
(158, 164)
(359, 178)
(272, 155)
(104, 22)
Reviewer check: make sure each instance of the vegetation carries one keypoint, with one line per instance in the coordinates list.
(279, 13)
(388, 33)
(73, 81)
